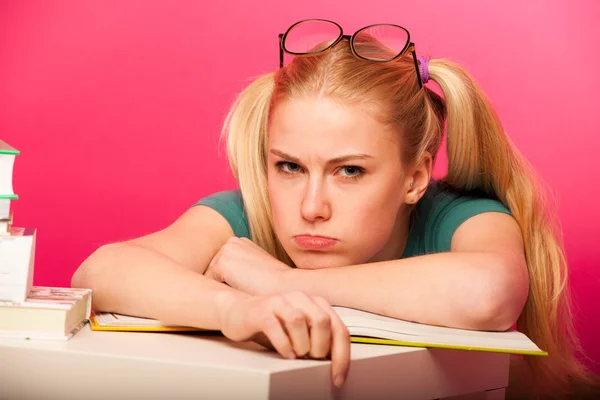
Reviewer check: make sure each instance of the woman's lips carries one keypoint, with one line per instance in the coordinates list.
(314, 242)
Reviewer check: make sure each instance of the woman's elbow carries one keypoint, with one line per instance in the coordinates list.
(503, 301)
(88, 273)
(501, 318)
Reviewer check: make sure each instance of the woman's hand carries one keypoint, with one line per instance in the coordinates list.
(245, 266)
(296, 325)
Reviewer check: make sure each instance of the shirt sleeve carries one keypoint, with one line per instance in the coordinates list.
(231, 206)
(458, 211)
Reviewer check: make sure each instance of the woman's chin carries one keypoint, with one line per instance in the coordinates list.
(319, 260)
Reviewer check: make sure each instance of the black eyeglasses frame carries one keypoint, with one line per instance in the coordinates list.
(408, 47)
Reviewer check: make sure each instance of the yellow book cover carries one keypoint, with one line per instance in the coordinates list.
(365, 327)
(106, 321)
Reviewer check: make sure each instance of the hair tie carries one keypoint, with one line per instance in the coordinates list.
(424, 69)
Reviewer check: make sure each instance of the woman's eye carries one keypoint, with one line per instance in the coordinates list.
(288, 167)
(351, 171)
(346, 172)
(293, 167)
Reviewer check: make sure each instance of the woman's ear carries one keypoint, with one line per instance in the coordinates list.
(418, 178)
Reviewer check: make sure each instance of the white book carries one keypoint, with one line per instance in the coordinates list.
(48, 313)
(33, 335)
(5, 227)
(4, 209)
(8, 155)
(17, 260)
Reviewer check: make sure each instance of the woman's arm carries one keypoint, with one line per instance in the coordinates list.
(481, 284)
(160, 275)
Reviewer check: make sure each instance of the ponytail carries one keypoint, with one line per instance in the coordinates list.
(245, 134)
(482, 157)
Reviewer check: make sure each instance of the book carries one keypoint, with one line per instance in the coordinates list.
(5, 209)
(6, 225)
(364, 327)
(48, 313)
(17, 259)
(107, 321)
(8, 155)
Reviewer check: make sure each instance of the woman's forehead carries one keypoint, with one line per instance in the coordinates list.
(321, 123)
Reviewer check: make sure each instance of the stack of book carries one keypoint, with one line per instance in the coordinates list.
(17, 245)
(7, 162)
(28, 311)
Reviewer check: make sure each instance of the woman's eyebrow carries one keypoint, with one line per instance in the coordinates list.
(336, 160)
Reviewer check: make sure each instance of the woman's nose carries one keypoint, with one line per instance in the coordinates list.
(315, 205)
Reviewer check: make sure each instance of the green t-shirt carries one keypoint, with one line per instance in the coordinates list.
(436, 217)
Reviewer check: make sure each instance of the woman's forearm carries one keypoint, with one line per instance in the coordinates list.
(464, 290)
(134, 280)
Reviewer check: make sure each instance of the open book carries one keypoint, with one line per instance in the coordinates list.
(365, 327)
(105, 321)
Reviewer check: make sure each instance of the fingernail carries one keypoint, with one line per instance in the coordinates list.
(338, 380)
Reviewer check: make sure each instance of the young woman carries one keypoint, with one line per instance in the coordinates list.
(336, 204)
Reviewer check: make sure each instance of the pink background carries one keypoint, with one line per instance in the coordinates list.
(116, 107)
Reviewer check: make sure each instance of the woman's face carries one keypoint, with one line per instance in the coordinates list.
(335, 183)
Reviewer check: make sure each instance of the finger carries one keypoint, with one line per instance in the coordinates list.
(210, 270)
(263, 340)
(249, 242)
(319, 323)
(296, 325)
(277, 336)
(340, 347)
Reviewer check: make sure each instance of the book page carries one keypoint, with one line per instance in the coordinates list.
(373, 325)
(363, 318)
(50, 297)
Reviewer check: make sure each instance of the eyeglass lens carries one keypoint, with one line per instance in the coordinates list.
(311, 36)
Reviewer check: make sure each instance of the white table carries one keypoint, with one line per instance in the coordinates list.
(127, 365)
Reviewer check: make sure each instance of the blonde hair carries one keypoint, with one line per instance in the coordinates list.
(480, 157)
